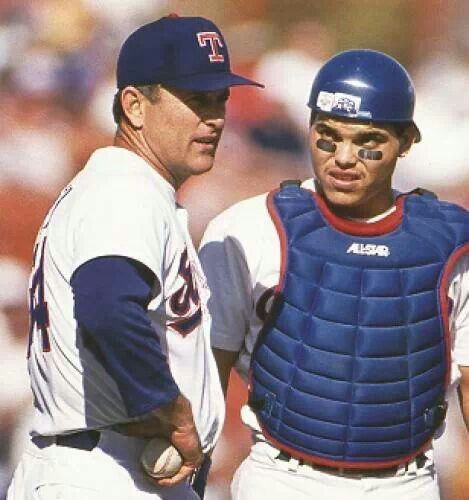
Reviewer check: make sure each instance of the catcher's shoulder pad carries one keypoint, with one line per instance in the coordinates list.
(423, 192)
(290, 182)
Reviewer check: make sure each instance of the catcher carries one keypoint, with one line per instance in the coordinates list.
(344, 304)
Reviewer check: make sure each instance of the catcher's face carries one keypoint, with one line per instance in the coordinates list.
(182, 129)
(354, 162)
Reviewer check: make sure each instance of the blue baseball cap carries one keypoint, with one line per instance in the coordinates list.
(188, 53)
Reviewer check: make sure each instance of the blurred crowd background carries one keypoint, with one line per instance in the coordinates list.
(57, 63)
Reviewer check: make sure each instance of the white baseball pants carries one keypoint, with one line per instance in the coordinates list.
(110, 471)
(262, 475)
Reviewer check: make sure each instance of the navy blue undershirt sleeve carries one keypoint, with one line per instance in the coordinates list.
(111, 297)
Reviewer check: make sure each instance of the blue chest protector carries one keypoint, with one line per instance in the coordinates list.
(351, 367)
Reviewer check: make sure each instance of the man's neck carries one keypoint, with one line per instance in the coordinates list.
(370, 211)
(125, 138)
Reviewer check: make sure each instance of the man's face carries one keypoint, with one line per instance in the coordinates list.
(182, 129)
(353, 162)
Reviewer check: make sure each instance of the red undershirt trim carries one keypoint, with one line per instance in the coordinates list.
(378, 228)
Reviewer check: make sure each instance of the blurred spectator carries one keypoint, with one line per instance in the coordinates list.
(452, 454)
(15, 396)
(101, 104)
(15, 33)
(122, 16)
(249, 39)
(33, 148)
(21, 212)
(277, 132)
(440, 162)
(289, 70)
(65, 25)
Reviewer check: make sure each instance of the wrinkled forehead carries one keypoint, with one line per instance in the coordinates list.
(351, 125)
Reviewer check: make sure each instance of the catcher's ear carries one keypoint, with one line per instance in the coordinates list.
(406, 139)
(132, 106)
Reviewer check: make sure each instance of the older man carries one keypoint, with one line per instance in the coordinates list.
(119, 349)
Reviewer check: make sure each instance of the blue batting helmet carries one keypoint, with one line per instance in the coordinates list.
(365, 85)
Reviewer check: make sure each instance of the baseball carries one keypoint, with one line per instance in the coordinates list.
(160, 458)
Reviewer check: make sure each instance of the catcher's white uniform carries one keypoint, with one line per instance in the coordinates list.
(116, 206)
(240, 254)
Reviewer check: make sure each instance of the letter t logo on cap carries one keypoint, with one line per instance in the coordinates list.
(213, 38)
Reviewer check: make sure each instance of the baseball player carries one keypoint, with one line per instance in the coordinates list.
(344, 304)
(119, 349)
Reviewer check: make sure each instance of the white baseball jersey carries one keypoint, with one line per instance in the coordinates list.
(118, 205)
(240, 254)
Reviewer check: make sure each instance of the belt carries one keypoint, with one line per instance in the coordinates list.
(343, 471)
(84, 440)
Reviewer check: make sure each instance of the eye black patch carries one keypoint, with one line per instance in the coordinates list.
(327, 146)
(366, 154)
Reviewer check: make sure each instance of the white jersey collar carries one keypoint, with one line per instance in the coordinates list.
(111, 154)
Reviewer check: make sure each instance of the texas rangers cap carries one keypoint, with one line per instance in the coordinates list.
(188, 53)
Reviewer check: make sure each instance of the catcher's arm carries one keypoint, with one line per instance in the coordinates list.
(463, 392)
(225, 361)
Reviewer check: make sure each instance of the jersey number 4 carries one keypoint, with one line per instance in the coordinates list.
(39, 314)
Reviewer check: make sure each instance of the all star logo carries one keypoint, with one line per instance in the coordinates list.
(369, 249)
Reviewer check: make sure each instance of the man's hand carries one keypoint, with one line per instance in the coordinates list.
(186, 440)
(175, 422)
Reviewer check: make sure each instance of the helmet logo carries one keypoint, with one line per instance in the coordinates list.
(214, 39)
(345, 103)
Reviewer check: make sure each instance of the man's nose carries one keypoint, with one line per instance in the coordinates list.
(215, 115)
(345, 155)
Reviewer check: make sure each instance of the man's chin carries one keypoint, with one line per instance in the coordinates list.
(202, 166)
(342, 199)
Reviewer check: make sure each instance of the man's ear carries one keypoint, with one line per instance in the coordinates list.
(132, 106)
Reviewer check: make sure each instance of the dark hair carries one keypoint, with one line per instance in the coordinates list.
(400, 128)
(117, 111)
(149, 91)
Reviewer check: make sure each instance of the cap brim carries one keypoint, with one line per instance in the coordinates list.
(210, 82)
